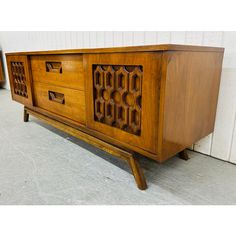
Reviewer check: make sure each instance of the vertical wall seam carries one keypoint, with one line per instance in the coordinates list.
(213, 134)
(232, 136)
(122, 38)
(170, 37)
(156, 37)
(113, 43)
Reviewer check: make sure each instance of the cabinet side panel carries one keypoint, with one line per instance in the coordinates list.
(191, 94)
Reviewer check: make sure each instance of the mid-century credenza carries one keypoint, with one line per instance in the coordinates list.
(150, 100)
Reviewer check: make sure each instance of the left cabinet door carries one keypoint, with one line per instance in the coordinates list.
(20, 79)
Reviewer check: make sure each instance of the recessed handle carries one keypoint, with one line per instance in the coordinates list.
(56, 97)
(53, 66)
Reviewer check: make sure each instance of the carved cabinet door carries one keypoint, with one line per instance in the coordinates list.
(20, 79)
(122, 96)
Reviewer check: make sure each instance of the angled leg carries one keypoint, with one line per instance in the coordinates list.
(184, 155)
(137, 173)
(125, 155)
(26, 115)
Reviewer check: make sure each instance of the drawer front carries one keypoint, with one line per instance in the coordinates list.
(60, 70)
(66, 102)
(20, 79)
(122, 96)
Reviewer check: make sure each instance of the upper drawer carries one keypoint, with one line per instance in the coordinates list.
(60, 70)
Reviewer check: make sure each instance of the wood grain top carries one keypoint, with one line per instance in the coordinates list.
(146, 48)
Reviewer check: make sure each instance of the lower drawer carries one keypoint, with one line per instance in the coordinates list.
(66, 102)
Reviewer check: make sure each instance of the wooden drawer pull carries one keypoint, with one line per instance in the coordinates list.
(56, 97)
(55, 67)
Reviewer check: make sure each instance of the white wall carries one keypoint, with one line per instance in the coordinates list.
(220, 144)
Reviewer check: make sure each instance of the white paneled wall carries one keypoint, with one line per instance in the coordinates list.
(220, 144)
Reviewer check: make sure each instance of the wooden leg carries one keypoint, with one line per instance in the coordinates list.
(26, 115)
(184, 155)
(137, 172)
(125, 155)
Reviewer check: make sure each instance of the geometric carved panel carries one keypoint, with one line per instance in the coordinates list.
(19, 79)
(118, 96)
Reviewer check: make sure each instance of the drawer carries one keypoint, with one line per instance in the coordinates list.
(66, 102)
(60, 70)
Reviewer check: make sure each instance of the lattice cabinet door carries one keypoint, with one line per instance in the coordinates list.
(122, 93)
(20, 79)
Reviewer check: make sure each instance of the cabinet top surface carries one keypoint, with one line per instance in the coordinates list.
(146, 48)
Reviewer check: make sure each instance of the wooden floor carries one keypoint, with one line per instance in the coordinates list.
(40, 165)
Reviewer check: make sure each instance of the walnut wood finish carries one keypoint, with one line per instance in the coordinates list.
(69, 103)
(150, 77)
(118, 96)
(20, 79)
(190, 86)
(146, 48)
(69, 74)
(153, 100)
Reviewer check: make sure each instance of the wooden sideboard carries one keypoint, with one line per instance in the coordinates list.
(150, 100)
